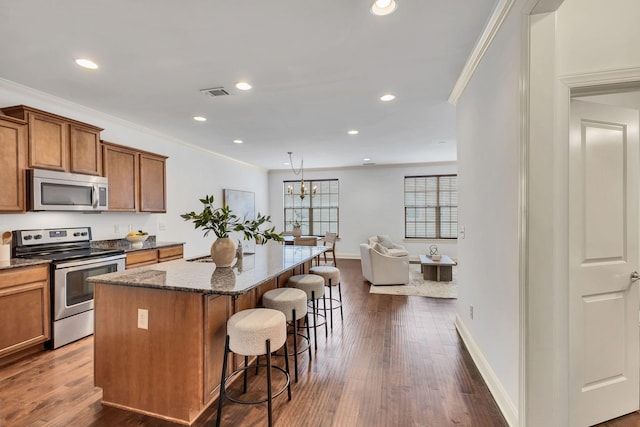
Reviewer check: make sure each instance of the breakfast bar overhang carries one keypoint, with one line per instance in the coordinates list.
(160, 330)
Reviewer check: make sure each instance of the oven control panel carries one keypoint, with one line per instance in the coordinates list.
(52, 235)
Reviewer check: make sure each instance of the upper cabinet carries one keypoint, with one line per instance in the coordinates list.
(137, 179)
(152, 183)
(13, 162)
(120, 166)
(60, 143)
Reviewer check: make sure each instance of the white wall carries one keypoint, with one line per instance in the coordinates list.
(488, 132)
(371, 202)
(595, 38)
(582, 37)
(191, 173)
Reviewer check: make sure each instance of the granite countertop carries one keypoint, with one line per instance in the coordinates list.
(22, 262)
(123, 244)
(198, 275)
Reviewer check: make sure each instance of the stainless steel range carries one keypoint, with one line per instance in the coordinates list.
(72, 261)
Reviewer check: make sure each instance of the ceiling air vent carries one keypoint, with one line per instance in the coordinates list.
(215, 91)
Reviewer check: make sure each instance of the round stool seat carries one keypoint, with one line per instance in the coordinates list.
(249, 329)
(310, 283)
(327, 273)
(286, 300)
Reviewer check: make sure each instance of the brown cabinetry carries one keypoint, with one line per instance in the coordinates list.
(120, 165)
(13, 162)
(137, 179)
(152, 183)
(59, 143)
(153, 256)
(24, 308)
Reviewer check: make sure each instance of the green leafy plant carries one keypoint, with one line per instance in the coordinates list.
(222, 222)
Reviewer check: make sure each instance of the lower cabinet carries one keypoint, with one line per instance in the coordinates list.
(153, 256)
(24, 308)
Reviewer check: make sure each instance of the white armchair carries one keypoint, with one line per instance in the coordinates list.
(381, 269)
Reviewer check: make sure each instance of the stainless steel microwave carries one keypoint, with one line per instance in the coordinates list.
(63, 191)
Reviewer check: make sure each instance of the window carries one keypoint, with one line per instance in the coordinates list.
(317, 215)
(431, 207)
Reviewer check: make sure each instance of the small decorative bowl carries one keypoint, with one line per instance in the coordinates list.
(137, 238)
(436, 257)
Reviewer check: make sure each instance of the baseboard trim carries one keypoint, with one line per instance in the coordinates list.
(508, 409)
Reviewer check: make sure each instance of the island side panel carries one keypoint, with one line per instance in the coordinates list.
(217, 311)
(159, 370)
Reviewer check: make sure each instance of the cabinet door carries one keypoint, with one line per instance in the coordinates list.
(24, 307)
(13, 147)
(152, 183)
(48, 142)
(120, 165)
(84, 150)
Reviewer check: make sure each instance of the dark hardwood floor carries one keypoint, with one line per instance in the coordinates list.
(395, 361)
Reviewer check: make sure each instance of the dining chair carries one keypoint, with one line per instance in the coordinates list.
(305, 241)
(329, 239)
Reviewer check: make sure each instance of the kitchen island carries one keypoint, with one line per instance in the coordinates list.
(160, 330)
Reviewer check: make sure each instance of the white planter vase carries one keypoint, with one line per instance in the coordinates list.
(297, 232)
(223, 252)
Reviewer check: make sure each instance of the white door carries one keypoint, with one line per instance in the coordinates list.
(604, 333)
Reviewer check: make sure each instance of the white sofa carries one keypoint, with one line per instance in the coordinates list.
(383, 269)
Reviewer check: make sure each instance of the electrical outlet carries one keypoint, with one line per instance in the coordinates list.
(162, 226)
(116, 229)
(143, 318)
(471, 312)
(461, 232)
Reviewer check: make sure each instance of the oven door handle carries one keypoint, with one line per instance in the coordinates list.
(97, 262)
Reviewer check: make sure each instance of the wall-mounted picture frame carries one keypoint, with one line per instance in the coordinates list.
(241, 203)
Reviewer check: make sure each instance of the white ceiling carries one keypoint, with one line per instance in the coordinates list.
(317, 68)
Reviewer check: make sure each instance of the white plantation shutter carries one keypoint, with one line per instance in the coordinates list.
(431, 206)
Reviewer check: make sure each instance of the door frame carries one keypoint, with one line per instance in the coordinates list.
(544, 284)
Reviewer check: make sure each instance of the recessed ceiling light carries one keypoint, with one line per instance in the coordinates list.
(387, 97)
(86, 63)
(199, 119)
(366, 159)
(352, 132)
(243, 86)
(383, 7)
(238, 141)
(285, 163)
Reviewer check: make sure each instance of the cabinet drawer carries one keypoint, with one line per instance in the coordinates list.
(141, 258)
(167, 254)
(20, 276)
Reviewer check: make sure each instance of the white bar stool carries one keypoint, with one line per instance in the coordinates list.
(331, 276)
(292, 303)
(252, 333)
(313, 285)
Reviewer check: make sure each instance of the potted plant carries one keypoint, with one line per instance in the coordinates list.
(222, 222)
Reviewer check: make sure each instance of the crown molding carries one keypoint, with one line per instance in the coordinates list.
(482, 45)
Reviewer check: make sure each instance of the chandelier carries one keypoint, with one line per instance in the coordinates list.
(300, 171)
